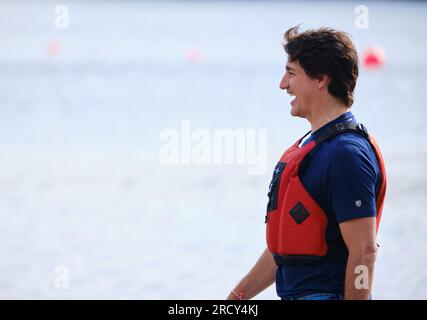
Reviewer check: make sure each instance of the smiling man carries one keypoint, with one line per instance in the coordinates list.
(328, 188)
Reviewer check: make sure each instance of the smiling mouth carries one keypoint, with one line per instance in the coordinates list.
(294, 97)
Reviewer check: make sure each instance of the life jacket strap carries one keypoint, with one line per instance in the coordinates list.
(303, 259)
(342, 127)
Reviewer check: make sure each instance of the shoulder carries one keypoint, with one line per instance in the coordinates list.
(351, 158)
(352, 177)
(350, 148)
(348, 153)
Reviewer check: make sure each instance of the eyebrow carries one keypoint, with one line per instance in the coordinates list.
(289, 68)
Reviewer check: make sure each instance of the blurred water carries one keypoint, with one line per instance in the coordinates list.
(80, 181)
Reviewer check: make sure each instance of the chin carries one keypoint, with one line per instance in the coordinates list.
(294, 112)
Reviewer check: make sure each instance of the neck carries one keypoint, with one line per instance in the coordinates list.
(326, 115)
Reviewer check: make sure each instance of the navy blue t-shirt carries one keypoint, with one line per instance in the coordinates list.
(342, 175)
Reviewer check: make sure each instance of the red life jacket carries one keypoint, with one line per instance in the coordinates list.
(296, 224)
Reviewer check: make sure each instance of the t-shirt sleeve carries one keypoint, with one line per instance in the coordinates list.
(352, 180)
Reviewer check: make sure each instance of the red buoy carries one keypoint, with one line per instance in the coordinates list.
(53, 48)
(374, 57)
(193, 56)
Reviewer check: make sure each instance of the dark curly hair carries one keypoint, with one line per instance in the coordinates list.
(326, 51)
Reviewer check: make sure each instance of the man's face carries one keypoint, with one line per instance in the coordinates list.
(297, 83)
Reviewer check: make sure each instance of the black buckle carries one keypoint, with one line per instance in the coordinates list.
(362, 129)
(340, 126)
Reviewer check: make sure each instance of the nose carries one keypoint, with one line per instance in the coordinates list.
(284, 83)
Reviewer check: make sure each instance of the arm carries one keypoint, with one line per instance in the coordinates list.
(353, 175)
(359, 235)
(260, 277)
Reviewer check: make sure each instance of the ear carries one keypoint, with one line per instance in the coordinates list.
(323, 81)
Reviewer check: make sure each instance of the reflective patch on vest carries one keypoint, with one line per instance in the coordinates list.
(274, 186)
(299, 213)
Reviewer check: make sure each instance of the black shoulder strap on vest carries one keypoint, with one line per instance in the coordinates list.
(342, 127)
(332, 132)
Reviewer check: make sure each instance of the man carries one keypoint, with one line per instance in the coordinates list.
(327, 191)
